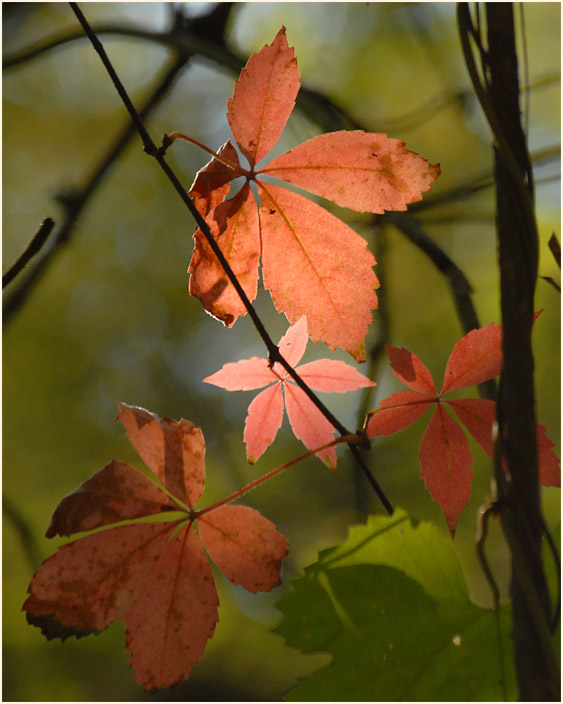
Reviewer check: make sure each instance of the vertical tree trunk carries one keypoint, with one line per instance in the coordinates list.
(538, 673)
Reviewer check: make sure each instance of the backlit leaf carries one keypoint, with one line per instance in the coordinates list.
(308, 424)
(409, 369)
(396, 413)
(265, 413)
(115, 493)
(212, 182)
(358, 170)
(444, 452)
(263, 420)
(264, 98)
(326, 273)
(154, 575)
(95, 580)
(244, 545)
(234, 225)
(446, 465)
(312, 263)
(175, 451)
(181, 599)
(475, 358)
(331, 375)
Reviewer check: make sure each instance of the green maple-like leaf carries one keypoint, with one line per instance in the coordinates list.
(392, 608)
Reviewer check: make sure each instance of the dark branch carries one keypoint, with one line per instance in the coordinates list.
(273, 352)
(518, 488)
(38, 240)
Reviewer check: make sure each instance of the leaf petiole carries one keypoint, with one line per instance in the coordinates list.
(351, 439)
(169, 138)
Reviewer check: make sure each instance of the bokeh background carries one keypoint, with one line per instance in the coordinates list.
(110, 320)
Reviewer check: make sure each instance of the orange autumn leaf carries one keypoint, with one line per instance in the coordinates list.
(313, 264)
(154, 576)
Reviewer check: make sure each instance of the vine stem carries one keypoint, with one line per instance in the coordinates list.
(272, 473)
(274, 354)
(173, 136)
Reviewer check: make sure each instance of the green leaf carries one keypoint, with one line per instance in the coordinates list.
(392, 608)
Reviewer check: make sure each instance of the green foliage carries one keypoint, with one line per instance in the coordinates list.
(392, 608)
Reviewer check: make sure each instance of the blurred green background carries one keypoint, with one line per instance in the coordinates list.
(111, 319)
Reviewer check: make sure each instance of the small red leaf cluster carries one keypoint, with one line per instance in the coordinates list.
(265, 413)
(154, 576)
(444, 453)
(312, 263)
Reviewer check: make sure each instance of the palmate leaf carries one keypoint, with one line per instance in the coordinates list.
(445, 457)
(265, 413)
(364, 171)
(391, 607)
(312, 263)
(154, 576)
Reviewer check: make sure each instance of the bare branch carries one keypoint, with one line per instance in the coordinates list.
(273, 351)
(38, 240)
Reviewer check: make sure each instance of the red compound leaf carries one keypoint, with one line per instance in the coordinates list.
(445, 456)
(153, 576)
(312, 263)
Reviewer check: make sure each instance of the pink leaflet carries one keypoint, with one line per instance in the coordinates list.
(169, 625)
(234, 225)
(334, 291)
(308, 424)
(475, 358)
(409, 369)
(245, 375)
(330, 375)
(88, 583)
(211, 184)
(446, 465)
(173, 450)
(292, 345)
(263, 99)
(359, 170)
(244, 545)
(264, 419)
(396, 413)
(114, 493)
(265, 413)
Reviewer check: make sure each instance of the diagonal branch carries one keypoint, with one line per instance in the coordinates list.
(158, 153)
(37, 241)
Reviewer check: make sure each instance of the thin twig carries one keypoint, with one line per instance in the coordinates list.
(273, 351)
(38, 240)
(482, 532)
(272, 473)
